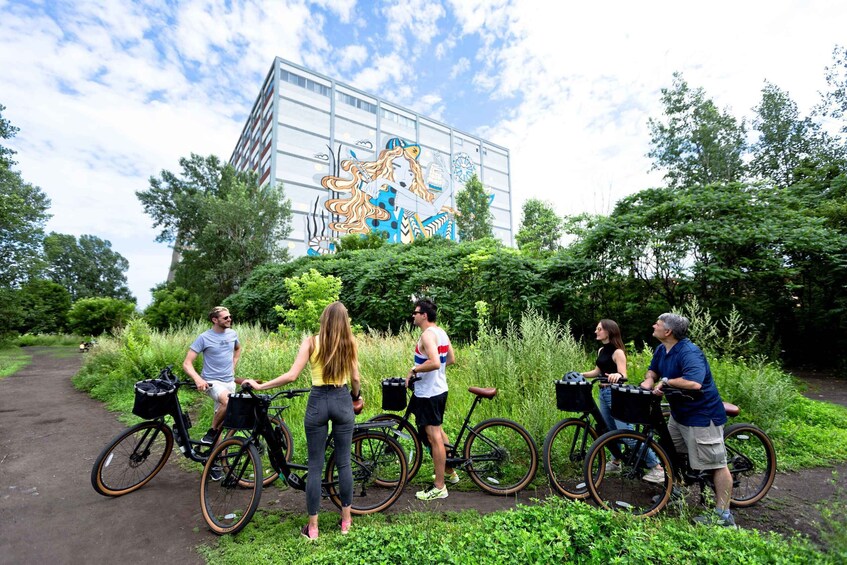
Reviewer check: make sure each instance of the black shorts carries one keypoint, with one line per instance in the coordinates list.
(428, 412)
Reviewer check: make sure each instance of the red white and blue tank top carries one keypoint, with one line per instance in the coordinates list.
(433, 383)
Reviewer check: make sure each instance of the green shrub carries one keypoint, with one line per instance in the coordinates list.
(94, 316)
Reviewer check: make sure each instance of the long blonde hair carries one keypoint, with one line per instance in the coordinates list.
(358, 208)
(337, 352)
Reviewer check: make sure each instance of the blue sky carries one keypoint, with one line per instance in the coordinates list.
(107, 93)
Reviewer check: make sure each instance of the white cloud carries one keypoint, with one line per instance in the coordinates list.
(351, 55)
(413, 25)
(461, 67)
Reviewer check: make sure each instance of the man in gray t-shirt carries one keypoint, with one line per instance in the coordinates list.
(221, 350)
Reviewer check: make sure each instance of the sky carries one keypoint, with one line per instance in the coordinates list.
(107, 93)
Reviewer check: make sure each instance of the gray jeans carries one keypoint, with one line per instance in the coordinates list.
(329, 404)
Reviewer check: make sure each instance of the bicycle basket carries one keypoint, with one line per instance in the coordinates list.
(241, 412)
(154, 398)
(394, 394)
(632, 404)
(574, 396)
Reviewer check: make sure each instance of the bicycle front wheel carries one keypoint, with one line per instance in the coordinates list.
(502, 456)
(270, 474)
(625, 489)
(227, 505)
(379, 469)
(411, 443)
(751, 459)
(132, 458)
(564, 453)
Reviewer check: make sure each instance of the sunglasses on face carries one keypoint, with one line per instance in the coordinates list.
(225, 317)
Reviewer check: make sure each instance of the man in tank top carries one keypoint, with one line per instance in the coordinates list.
(433, 352)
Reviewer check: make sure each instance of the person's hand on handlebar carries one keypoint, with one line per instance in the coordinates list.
(251, 384)
(615, 378)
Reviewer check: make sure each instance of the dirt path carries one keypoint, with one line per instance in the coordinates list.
(50, 435)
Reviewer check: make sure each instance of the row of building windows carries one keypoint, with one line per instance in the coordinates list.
(303, 82)
(356, 102)
(395, 117)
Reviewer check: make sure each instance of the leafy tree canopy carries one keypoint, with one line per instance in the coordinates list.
(695, 142)
(43, 306)
(475, 220)
(7, 131)
(94, 316)
(540, 228)
(87, 267)
(172, 306)
(23, 215)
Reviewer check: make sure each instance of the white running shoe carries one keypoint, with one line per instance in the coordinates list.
(656, 475)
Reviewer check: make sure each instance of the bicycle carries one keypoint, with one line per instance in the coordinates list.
(228, 505)
(750, 457)
(567, 442)
(499, 455)
(133, 457)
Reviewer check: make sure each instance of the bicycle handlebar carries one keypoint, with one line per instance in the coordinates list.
(287, 393)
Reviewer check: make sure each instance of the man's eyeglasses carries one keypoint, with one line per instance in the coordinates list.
(416, 312)
(225, 317)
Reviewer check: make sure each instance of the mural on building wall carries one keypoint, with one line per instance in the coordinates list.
(393, 193)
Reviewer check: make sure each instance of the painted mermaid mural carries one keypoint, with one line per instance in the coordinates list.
(389, 195)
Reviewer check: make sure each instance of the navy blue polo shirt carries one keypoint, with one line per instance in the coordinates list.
(686, 360)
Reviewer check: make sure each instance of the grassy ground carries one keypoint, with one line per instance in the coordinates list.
(12, 360)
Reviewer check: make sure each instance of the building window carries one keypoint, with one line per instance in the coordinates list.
(397, 118)
(356, 102)
(459, 141)
(303, 82)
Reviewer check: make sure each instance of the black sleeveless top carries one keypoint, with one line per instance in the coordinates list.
(604, 359)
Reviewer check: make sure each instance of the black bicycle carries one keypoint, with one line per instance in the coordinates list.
(377, 460)
(133, 457)
(750, 457)
(568, 441)
(499, 455)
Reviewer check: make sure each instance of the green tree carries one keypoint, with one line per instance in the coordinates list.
(352, 242)
(786, 141)
(475, 220)
(220, 221)
(87, 267)
(834, 100)
(44, 307)
(23, 214)
(244, 230)
(695, 143)
(7, 131)
(308, 294)
(540, 228)
(94, 316)
(172, 306)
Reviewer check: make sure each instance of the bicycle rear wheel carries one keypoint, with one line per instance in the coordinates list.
(132, 458)
(411, 445)
(379, 469)
(626, 490)
(751, 459)
(270, 474)
(564, 455)
(227, 506)
(502, 456)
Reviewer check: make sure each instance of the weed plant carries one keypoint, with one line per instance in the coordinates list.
(555, 531)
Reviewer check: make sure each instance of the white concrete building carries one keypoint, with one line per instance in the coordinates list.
(351, 162)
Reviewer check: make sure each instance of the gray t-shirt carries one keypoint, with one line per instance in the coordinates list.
(217, 350)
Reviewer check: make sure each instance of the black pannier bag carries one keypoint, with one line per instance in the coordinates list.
(154, 398)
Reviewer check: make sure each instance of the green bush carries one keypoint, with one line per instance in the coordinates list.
(95, 316)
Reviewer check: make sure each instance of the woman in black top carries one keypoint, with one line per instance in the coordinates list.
(611, 363)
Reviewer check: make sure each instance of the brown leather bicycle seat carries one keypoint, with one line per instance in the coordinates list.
(483, 392)
(731, 409)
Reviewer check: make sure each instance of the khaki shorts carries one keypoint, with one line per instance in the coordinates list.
(704, 445)
(216, 388)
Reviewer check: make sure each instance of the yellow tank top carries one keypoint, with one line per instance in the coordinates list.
(318, 369)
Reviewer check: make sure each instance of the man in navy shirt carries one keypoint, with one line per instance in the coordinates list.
(696, 424)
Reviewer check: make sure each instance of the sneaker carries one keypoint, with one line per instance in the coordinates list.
(432, 494)
(452, 479)
(210, 437)
(612, 467)
(716, 519)
(308, 533)
(216, 473)
(676, 494)
(655, 475)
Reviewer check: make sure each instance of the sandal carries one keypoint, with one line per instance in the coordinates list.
(345, 526)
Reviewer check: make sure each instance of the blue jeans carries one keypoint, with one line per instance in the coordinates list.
(329, 404)
(606, 410)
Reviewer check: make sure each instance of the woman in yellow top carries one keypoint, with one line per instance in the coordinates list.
(334, 360)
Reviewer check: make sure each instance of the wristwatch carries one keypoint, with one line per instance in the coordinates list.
(665, 380)
(414, 371)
